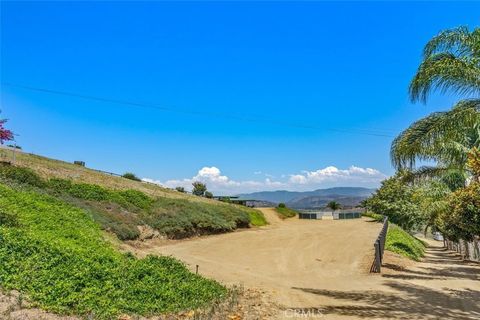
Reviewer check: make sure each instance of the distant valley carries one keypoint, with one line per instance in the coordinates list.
(346, 196)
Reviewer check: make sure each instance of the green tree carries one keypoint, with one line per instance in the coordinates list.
(396, 199)
(199, 188)
(180, 189)
(208, 195)
(334, 206)
(131, 176)
(451, 62)
(461, 220)
(432, 199)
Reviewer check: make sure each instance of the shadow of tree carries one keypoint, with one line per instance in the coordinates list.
(441, 264)
(407, 302)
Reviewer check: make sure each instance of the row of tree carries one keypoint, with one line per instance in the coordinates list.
(444, 195)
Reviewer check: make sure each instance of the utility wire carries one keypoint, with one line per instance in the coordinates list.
(256, 119)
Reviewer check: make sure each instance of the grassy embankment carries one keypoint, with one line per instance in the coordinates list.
(52, 248)
(119, 205)
(400, 241)
(285, 212)
(55, 254)
(403, 243)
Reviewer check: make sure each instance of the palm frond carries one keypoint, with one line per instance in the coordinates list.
(453, 177)
(458, 40)
(444, 72)
(451, 62)
(442, 136)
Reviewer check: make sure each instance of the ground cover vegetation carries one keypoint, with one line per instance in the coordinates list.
(55, 254)
(285, 212)
(121, 211)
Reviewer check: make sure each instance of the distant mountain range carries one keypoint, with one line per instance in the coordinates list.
(346, 196)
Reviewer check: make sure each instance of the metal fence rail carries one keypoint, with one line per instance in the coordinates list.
(380, 247)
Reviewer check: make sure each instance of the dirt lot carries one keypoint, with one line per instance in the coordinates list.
(319, 269)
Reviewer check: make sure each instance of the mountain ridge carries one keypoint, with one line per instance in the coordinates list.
(347, 196)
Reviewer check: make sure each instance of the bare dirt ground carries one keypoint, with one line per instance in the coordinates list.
(319, 269)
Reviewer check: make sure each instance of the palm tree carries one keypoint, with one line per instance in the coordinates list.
(334, 205)
(445, 138)
(451, 62)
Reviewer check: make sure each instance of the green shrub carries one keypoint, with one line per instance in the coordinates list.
(137, 198)
(257, 218)
(208, 195)
(281, 205)
(285, 212)
(122, 224)
(180, 218)
(461, 220)
(58, 258)
(8, 219)
(131, 176)
(401, 242)
(374, 216)
(20, 175)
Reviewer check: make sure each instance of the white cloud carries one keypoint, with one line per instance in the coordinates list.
(306, 180)
(333, 174)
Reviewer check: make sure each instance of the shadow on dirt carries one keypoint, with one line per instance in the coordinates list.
(411, 302)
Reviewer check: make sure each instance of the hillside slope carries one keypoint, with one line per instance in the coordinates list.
(55, 254)
(50, 168)
(125, 207)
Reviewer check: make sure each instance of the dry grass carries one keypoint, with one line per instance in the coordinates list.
(50, 168)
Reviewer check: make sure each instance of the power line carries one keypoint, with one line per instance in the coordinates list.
(256, 119)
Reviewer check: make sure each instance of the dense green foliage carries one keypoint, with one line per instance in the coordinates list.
(179, 218)
(257, 218)
(401, 242)
(208, 195)
(461, 220)
(55, 253)
(199, 188)
(131, 176)
(448, 139)
(21, 176)
(285, 212)
(375, 216)
(122, 211)
(396, 200)
(334, 205)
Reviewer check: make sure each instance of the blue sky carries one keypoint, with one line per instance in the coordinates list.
(237, 82)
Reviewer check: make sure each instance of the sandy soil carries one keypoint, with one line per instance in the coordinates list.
(319, 269)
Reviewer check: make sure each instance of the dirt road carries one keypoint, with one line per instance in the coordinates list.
(319, 269)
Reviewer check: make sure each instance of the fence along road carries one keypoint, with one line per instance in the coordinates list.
(380, 247)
